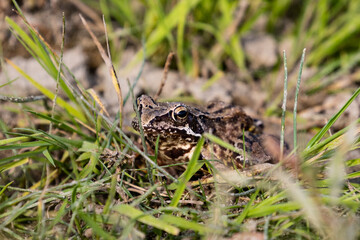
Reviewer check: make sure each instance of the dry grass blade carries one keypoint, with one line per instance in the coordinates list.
(97, 99)
(165, 73)
(109, 64)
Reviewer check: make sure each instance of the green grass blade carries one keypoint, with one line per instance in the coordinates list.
(90, 167)
(49, 157)
(243, 214)
(21, 156)
(30, 44)
(270, 209)
(188, 225)
(61, 124)
(220, 142)
(188, 173)
(97, 230)
(5, 187)
(140, 216)
(325, 143)
(25, 145)
(332, 120)
(40, 51)
(60, 102)
(14, 164)
(60, 214)
(174, 185)
(52, 139)
(16, 139)
(57, 140)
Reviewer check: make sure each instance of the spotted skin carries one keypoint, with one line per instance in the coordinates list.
(179, 127)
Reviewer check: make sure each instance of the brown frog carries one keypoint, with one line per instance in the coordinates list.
(179, 127)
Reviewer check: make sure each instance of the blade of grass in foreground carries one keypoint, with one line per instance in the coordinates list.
(4, 167)
(325, 143)
(184, 224)
(174, 185)
(243, 214)
(220, 142)
(15, 139)
(270, 209)
(25, 145)
(323, 131)
(21, 156)
(188, 173)
(146, 219)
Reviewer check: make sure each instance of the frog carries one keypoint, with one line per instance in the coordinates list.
(175, 128)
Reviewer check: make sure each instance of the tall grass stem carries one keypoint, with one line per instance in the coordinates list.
(296, 96)
(59, 73)
(283, 108)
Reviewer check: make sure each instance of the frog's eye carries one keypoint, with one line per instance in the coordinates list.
(180, 113)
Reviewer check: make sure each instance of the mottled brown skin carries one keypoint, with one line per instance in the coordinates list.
(180, 126)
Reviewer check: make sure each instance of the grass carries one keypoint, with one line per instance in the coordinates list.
(63, 184)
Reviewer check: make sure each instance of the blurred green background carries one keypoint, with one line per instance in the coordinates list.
(199, 30)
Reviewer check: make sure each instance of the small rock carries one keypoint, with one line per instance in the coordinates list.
(260, 50)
